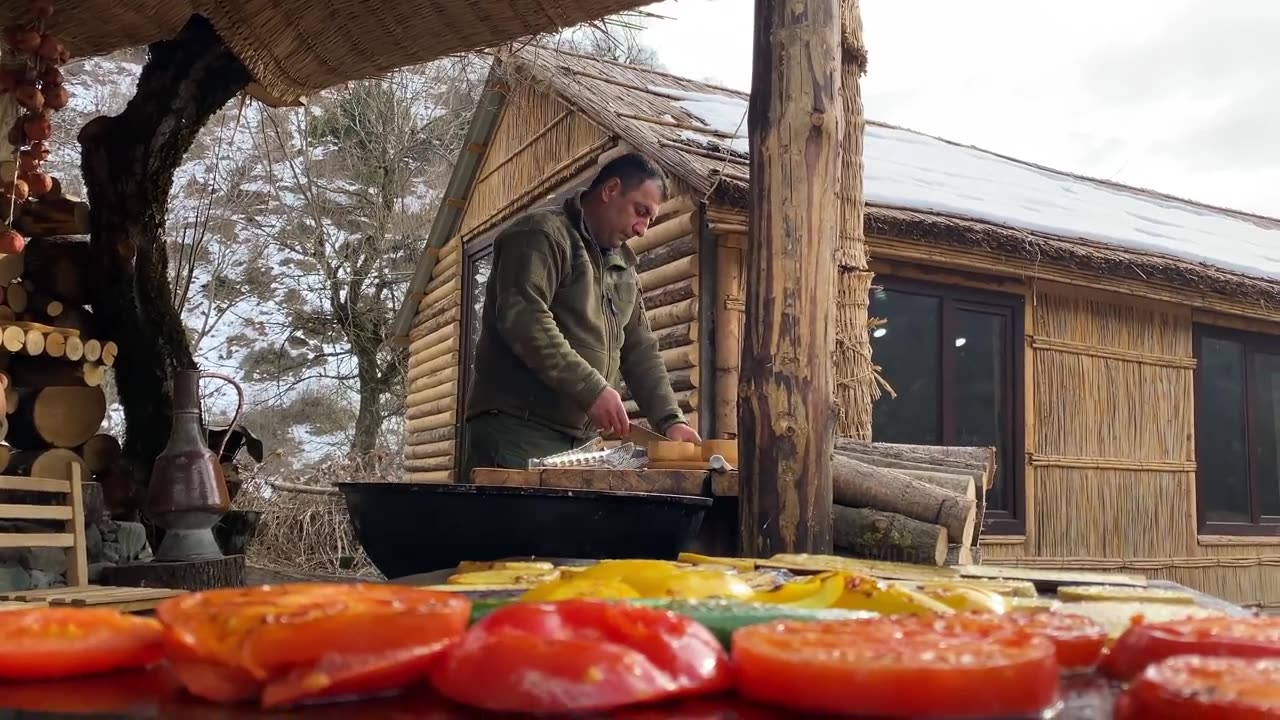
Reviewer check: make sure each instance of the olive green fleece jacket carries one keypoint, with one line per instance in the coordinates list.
(563, 320)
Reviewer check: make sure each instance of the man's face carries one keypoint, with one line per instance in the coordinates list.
(624, 215)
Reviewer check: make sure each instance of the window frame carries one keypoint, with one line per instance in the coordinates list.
(1259, 525)
(1011, 522)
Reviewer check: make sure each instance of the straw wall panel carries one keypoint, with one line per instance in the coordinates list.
(432, 376)
(539, 142)
(1112, 513)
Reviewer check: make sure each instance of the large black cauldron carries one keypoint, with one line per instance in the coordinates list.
(412, 528)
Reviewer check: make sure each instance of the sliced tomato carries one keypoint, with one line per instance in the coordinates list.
(48, 643)
(228, 644)
(1079, 640)
(903, 666)
(1144, 644)
(1198, 687)
(337, 676)
(130, 692)
(581, 655)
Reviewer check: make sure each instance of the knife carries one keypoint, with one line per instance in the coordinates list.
(645, 434)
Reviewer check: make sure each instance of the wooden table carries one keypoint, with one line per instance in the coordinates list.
(666, 482)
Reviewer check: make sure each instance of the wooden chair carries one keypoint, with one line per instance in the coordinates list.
(78, 591)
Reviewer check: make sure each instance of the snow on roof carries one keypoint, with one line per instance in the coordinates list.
(913, 171)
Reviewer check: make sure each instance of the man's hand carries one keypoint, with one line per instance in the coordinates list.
(608, 414)
(681, 432)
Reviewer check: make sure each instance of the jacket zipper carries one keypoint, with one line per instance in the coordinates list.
(605, 302)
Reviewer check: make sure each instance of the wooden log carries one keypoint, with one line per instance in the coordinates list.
(43, 308)
(686, 379)
(431, 422)
(54, 463)
(728, 338)
(53, 217)
(430, 436)
(430, 450)
(414, 411)
(419, 367)
(977, 474)
(64, 417)
(7, 314)
(669, 315)
(448, 389)
(11, 266)
(680, 358)
(957, 480)
(100, 452)
(684, 247)
(434, 476)
(888, 536)
(15, 296)
(673, 272)
(856, 484)
(13, 338)
(444, 462)
(687, 400)
(437, 337)
(664, 232)
(446, 316)
(55, 345)
(677, 335)
(34, 343)
(195, 575)
(675, 206)
(969, 458)
(670, 294)
(787, 412)
(74, 349)
(92, 350)
(109, 352)
(425, 382)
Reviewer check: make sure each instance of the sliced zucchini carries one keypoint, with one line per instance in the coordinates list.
(1114, 593)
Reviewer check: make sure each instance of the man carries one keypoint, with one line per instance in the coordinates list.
(562, 320)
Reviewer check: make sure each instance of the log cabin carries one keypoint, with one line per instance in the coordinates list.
(1120, 348)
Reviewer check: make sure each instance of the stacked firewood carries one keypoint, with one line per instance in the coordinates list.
(909, 503)
(52, 358)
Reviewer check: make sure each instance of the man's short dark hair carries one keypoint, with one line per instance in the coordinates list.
(633, 170)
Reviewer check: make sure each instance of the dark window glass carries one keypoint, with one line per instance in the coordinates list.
(1237, 433)
(479, 279)
(952, 359)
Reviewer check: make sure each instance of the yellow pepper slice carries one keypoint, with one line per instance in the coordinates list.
(866, 593)
(813, 591)
(600, 589)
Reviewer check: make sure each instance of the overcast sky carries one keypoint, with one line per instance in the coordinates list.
(1181, 96)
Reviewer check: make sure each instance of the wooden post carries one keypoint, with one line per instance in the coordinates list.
(855, 377)
(786, 413)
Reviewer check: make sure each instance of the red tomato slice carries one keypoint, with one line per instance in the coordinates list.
(1142, 645)
(269, 630)
(898, 667)
(1079, 640)
(131, 692)
(581, 655)
(48, 643)
(337, 676)
(1197, 687)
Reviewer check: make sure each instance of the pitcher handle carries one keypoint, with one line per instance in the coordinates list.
(239, 405)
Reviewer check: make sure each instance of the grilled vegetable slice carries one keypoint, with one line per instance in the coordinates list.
(1076, 593)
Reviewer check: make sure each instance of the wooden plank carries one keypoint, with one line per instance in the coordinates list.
(29, 484)
(1050, 579)
(77, 554)
(30, 540)
(25, 595)
(506, 478)
(35, 512)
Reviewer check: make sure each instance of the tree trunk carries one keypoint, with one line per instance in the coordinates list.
(128, 163)
(856, 384)
(786, 413)
(861, 485)
(886, 536)
(368, 414)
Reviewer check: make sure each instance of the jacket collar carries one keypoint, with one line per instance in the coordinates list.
(623, 257)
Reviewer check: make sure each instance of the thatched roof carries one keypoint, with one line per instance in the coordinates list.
(925, 188)
(296, 47)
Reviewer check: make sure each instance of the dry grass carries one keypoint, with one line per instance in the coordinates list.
(310, 533)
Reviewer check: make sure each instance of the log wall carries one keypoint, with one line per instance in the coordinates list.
(431, 384)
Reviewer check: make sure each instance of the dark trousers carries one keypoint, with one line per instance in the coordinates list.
(499, 440)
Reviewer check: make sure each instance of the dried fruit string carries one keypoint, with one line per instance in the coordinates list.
(38, 89)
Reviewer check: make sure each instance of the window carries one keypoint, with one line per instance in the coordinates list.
(954, 359)
(1237, 397)
(477, 262)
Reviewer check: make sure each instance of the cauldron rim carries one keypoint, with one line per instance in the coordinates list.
(468, 489)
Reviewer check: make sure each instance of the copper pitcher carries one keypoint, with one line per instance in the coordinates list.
(188, 494)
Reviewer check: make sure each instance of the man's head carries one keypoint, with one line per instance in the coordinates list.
(623, 199)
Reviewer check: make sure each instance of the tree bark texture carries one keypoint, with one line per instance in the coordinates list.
(861, 485)
(786, 411)
(128, 163)
(889, 537)
(856, 381)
